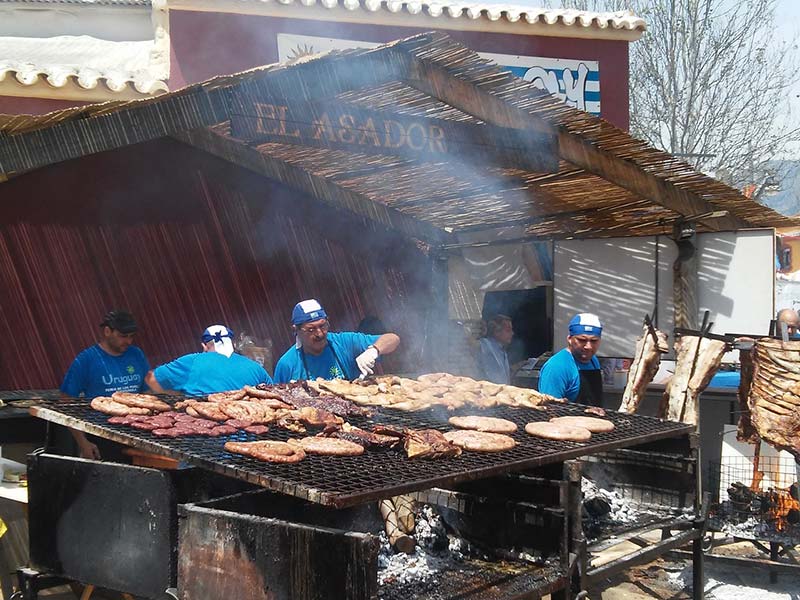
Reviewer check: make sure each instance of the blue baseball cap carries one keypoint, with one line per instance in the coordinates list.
(307, 310)
(585, 324)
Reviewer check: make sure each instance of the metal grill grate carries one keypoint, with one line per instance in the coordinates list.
(347, 481)
(15, 395)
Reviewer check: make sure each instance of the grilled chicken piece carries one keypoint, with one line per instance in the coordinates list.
(644, 367)
(428, 443)
(421, 443)
(367, 439)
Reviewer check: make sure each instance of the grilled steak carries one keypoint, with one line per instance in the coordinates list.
(775, 393)
(696, 360)
(644, 367)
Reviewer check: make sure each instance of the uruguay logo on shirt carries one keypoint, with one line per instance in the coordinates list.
(336, 372)
(130, 369)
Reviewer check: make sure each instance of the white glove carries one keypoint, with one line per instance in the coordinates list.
(366, 360)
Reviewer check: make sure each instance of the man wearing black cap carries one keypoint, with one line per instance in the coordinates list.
(114, 364)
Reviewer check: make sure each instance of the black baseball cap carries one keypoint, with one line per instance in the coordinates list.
(121, 320)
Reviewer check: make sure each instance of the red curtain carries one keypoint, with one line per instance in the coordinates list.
(184, 240)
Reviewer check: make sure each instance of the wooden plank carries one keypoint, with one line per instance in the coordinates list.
(339, 126)
(317, 186)
(436, 81)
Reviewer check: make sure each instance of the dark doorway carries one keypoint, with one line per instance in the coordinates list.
(528, 311)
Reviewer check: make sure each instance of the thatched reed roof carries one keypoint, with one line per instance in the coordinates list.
(515, 155)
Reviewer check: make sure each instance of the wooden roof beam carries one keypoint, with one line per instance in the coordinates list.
(438, 82)
(139, 123)
(314, 185)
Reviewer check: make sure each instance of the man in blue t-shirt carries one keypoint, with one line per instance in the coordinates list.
(318, 353)
(574, 372)
(216, 369)
(114, 364)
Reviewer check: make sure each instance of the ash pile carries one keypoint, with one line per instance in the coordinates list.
(607, 510)
(440, 549)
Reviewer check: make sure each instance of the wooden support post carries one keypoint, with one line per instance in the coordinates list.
(684, 284)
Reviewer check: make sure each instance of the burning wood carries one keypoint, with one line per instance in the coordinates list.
(644, 367)
(776, 507)
(697, 359)
(775, 393)
(397, 537)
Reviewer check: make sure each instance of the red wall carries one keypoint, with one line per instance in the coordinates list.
(15, 105)
(184, 240)
(208, 44)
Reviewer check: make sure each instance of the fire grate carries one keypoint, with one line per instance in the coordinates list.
(757, 501)
(347, 481)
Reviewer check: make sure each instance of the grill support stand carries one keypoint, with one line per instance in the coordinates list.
(31, 582)
(573, 474)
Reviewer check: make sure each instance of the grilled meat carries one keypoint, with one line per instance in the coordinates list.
(775, 394)
(367, 439)
(644, 367)
(696, 360)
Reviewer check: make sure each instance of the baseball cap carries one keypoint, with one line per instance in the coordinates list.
(222, 338)
(121, 320)
(307, 310)
(585, 324)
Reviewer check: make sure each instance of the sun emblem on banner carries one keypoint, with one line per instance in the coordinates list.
(299, 52)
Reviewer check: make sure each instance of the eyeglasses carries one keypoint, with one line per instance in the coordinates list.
(322, 328)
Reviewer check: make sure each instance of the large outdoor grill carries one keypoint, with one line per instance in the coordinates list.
(347, 481)
(313, 533)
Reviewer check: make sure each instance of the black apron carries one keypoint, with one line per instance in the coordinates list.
(591, 390)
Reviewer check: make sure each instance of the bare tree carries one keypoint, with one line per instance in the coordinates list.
(711, 83)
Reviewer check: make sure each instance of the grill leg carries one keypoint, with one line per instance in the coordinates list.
(698, 556)
(698, 577)
(774, 548)
(30, 582)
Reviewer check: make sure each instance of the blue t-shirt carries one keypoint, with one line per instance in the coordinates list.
(560, 377)
(337, 361)
(204, 373)
(95, 372)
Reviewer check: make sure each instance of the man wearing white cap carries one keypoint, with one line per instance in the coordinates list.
(574, 372)
(216, 369)
(317, 353)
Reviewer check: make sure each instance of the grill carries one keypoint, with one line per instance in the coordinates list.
(348, 481)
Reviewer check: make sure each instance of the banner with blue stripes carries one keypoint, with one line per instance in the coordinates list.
(575, 82)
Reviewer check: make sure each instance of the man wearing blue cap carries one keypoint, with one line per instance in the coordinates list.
(574, 372)
(216, 369)
(318, 353)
